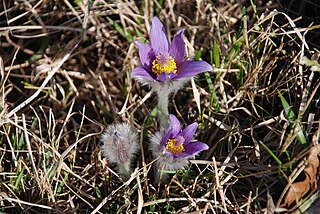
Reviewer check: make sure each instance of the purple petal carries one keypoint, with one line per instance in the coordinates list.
(193, 149)
(188, 132)
(141, 72)
(158, 38)
(177, 48)
(192, 68)
(174, 125)
(164, 77)
(146, 54)
(180, 140)
(166, 137)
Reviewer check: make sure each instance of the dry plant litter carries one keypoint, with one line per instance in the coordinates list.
(65, 76)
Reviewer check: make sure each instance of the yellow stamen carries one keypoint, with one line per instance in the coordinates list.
(159, 67)
(172, 147)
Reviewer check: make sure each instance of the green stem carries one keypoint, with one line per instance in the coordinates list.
(163, 97)
(161, 174)
(124, 170)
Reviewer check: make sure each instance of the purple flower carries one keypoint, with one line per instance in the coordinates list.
(175, 146)
(177, 142)
(164, 62)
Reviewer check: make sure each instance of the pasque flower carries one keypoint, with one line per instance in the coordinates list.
(162, 61)
(164, 66)
(175, 147)
(120, 144)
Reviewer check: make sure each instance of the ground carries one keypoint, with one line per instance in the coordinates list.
(65, 69)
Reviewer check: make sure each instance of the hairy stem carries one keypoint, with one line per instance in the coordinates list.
(124, 170)
(163, 97)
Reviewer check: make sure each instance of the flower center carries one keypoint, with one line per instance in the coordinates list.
(174, 147)
(163, 63)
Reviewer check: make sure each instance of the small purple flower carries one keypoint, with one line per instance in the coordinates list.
(177, 142)
(175, 146)
(164, 62)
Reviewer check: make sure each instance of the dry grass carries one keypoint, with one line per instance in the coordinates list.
(65, 75)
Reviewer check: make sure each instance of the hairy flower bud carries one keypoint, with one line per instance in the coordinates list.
(120, 144)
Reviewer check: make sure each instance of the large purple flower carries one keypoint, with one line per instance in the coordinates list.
(177, 142)
(162, 61)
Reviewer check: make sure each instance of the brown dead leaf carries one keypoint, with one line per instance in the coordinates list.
(299, 189)
(313, 164)
(270, 205)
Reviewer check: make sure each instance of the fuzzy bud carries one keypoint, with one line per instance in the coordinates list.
(120, 144)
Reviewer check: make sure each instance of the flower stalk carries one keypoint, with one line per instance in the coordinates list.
(124, 170)
(163, 112)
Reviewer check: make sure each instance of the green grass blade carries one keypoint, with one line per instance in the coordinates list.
(287, 109)
(216, 55)
(292, 120)
(300, 136)
(272, 154)
(66, 177)
(198, 55)
(213, 97)
(121, 31)
(153, 114)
